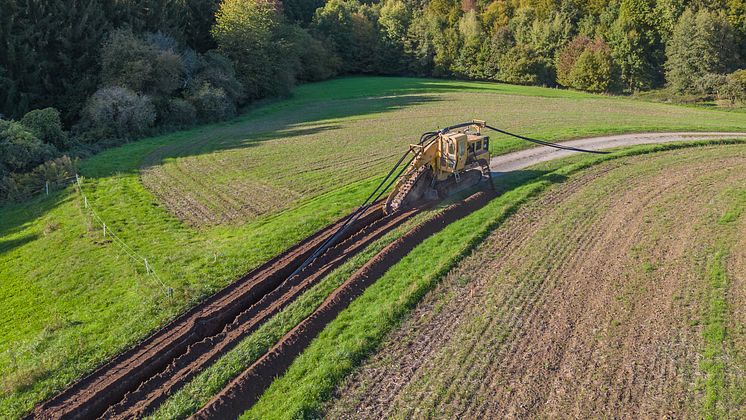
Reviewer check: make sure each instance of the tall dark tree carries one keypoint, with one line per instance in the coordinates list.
(201, 18)
(49, 53)
(637, 44)
(701, 43)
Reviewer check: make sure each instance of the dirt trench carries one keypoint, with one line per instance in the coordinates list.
(244, 390)
(137, 380)
(584, 304)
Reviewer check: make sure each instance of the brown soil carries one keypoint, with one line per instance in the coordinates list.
(244, 390)
(137, 380)
(584, 304)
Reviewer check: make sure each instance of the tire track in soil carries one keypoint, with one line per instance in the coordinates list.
(562, 331)
(564, 356)
(244, 390)
(199, 336)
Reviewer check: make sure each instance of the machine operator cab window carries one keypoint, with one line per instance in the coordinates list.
(451, 153)
(461, 152)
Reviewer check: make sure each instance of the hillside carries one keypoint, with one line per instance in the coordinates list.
(205, 206)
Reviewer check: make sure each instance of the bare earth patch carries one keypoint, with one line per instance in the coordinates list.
(585, 303)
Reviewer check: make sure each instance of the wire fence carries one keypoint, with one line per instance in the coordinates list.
(109, 233)
(52, 186)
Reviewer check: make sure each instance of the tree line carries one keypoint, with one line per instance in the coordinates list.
(77, 76)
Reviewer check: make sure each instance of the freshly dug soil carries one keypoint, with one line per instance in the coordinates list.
(243, 391)
(138, 379)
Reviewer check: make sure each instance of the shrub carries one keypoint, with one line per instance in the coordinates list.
(734, 89)
(710, 84)
(118, 112)
(585, 65)
(20, 149)
(568, 56)
(47, 126)
(244, 31)
(593, 69)
(177, 113)
(211, 103)
(219, 71)
(150, 65)
(522, 65)
(317, 62)
(57, 171)
(126, 60)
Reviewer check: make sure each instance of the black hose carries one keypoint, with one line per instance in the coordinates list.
(352, 217)
(546, 143)
(425, 139)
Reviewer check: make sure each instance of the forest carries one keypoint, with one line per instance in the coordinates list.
(78, 76)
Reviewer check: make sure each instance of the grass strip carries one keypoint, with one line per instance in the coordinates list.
(714, 334)
(718, 395)
(310, 381)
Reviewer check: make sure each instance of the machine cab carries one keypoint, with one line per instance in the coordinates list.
(454, 152)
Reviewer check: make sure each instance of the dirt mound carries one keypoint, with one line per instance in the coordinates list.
(584, 304)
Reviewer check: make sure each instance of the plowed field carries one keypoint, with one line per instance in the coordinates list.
(617, 293)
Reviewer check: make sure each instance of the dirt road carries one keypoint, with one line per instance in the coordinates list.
(525, 158)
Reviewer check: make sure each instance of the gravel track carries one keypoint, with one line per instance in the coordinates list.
(525, 158)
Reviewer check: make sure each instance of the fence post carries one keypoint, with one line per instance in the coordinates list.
(104, 229)
(85, 201)
(147, 267)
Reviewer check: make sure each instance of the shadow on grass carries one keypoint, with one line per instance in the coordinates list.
(7, 245)
(274, 121)
(286, 123)
(15, 217)
(506, 181)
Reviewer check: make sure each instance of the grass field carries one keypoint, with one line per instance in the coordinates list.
(207, 205)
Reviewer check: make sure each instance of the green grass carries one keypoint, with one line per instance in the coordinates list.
(722, 389)
(69, 299)
(272, 160)
(714, 335)
(309, 382)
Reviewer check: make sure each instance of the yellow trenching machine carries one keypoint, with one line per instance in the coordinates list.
(443, 162)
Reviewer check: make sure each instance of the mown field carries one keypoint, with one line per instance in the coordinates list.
(207, 205)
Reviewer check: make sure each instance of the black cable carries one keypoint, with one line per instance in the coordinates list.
(546, 143)
(352, 217)
(425, 139)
